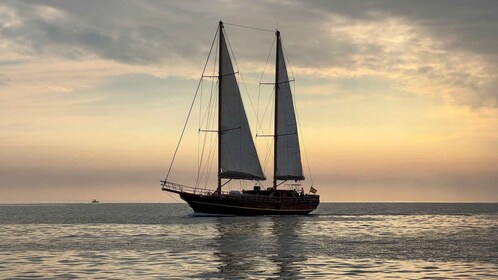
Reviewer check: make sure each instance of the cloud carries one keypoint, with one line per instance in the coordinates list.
(77, 76)
(460, 24)
(142, 32)
(449, 55)
(78, 31)
(416, 62)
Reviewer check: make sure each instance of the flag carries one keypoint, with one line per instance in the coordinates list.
(313, 190)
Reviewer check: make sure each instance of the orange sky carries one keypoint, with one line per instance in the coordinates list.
(395, 103)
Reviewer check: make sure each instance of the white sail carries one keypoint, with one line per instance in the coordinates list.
(287, 148)
(239, 159)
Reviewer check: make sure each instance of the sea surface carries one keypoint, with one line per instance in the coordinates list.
(338, 240)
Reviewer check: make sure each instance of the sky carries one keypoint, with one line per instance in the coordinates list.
(397, 100)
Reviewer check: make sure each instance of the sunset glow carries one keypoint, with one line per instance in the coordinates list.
(395, 103)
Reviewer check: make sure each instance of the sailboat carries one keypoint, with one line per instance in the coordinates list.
(237, 156)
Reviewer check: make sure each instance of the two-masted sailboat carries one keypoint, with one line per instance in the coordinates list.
(237, 156)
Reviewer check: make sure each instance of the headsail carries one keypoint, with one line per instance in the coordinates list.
(288, 163)
(239, 159)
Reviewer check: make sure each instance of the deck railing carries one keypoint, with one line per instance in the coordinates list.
(170, 186)
(182, 188)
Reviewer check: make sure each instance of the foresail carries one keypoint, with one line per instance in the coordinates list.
(239, 159)
(288, 165)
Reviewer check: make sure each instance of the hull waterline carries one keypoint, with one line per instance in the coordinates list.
(242, 207)
(247, 203)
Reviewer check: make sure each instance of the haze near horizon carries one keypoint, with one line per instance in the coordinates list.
(397, 100)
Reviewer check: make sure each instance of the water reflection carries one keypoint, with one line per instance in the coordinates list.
(289, 253)
(264, 246)
(365, 246)
(240, 247)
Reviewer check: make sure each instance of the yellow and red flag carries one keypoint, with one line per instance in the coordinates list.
(313, 190)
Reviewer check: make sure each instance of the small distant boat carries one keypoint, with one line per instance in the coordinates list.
(237, 156)
(95, 201)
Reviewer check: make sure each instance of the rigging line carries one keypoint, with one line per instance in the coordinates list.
(259, 124)
(260, 120)
(179, 202)
(201, 121)
(266, 109)
(268, 147)
(240, 75)
(209, 164)
(248, 27)
(210, 117)
(267, 141)
(191, 106)
(261, 78)
(302, 135)
(210, 143)
(268, 150)
(267, 59)
(207, 115)
(199, 138)
(288, 61)
(257, 110)
(242, 105)
(297, 114)
(243, 82)
(212, 85)
(247, 91)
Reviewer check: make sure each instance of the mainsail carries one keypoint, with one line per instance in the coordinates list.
(238, 156)
(288, 164)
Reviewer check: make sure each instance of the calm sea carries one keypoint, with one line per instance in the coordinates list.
(339, 240)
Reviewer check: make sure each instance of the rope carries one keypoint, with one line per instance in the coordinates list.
(241, 77)
(206, 172)
(259, 124)
(207, 117)
(190, 110)
(174, 198)
(267, 59)
(249, 27)
(268, 147)
(297, 115)
(260, 119)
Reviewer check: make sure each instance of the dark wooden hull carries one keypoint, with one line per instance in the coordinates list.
(250, 205)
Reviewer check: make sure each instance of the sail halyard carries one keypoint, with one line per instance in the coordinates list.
(237, 156)
(287, 156)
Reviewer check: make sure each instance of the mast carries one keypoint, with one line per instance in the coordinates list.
(287, 159)
(220, 77)
(275, 127)
(237, 155)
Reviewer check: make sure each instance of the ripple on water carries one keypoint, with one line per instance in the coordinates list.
(421, 246)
